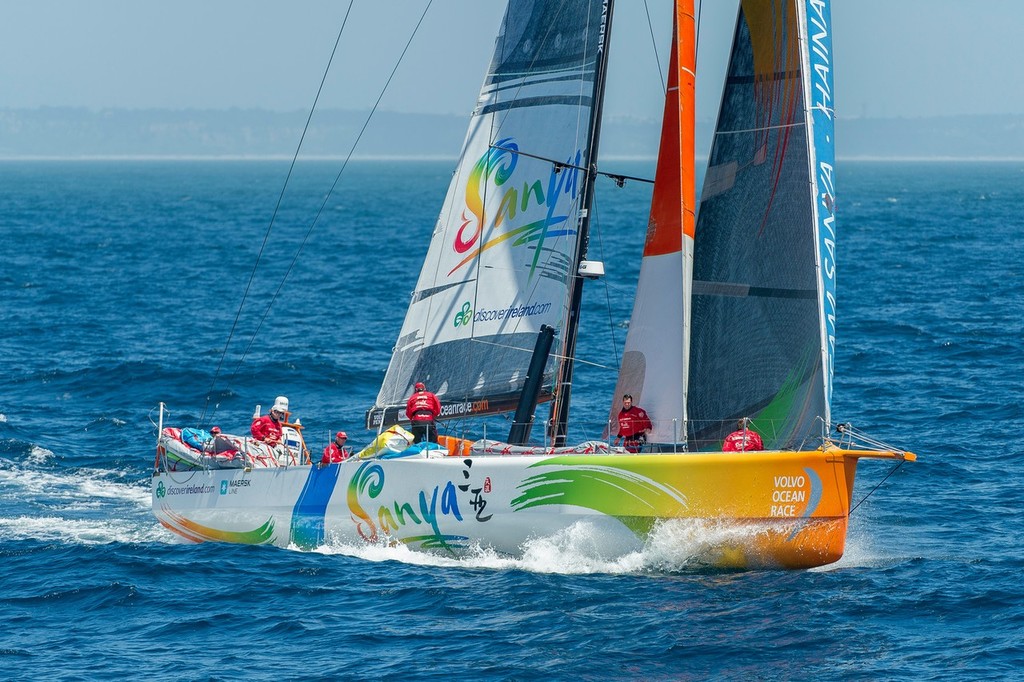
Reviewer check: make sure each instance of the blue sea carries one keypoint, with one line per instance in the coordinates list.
(122, 285)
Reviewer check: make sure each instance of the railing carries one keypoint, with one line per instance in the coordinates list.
(666, 436)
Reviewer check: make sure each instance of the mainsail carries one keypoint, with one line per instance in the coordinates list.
(504, 248)
(763, 305)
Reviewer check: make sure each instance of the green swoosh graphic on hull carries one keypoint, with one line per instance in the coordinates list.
(635, 500)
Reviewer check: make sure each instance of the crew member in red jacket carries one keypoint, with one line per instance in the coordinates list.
(743, 439)
(335, 451)
(423, 409)
(634, 425)
(268, 427)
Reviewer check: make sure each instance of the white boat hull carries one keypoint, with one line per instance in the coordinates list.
(795, 505)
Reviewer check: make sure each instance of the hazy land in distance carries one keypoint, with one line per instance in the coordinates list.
(78, 132)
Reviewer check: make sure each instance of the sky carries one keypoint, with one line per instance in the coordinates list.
(893, 58)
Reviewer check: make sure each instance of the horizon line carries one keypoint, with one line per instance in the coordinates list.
(439, 158)
(455, 114)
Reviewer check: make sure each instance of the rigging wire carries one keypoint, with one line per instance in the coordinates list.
(607, 295)
(330, 191)
(851, 437)
(654, 42)
(530, 350)
(871, 492)
(696, 37)
(323, 204)
(273, 218)
(654, 45)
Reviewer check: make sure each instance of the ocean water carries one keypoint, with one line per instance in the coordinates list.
(121, 284)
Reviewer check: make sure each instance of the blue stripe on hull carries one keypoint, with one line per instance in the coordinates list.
(307, 530)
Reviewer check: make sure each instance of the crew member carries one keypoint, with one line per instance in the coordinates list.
(634, 425)
(423, 409)
(267, 428)
(743, 439)
(336, 450)
(220, 444)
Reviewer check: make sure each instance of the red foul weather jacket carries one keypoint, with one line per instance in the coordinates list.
(422, 406)
(266, 429)
(633, 421)
(742, 441)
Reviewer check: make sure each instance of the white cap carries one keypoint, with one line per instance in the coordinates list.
(280, 404)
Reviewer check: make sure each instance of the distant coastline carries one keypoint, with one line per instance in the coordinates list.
(251, 134)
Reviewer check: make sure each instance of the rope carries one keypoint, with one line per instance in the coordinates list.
(323, 204)
(330, 192)
(871, 492)
(654, 45)
(273, 219)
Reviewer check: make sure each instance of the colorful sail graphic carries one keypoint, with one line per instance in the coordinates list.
(502, 252)
(758, 346)
(653, 366)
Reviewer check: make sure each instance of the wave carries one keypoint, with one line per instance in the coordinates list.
(85, 506)
(64, 530)
(682, 546)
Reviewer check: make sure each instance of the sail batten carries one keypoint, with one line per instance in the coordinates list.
(536, 102)
(764, 78)
(732, 289)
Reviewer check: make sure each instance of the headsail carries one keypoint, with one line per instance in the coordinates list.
(654, 360)
(763, 289)
(502, 252)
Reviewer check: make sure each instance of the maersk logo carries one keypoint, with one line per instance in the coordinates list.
(231, 487)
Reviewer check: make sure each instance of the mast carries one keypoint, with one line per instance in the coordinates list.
(563, 385)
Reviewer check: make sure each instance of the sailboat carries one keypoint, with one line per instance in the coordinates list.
(734, 319)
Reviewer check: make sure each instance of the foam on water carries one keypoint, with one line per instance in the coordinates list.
(39, 455)
(568, 552)
(75, 507)
(680, 545)
(84, 485)
(96, 531)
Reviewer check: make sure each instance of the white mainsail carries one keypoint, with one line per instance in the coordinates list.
(504, 247)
